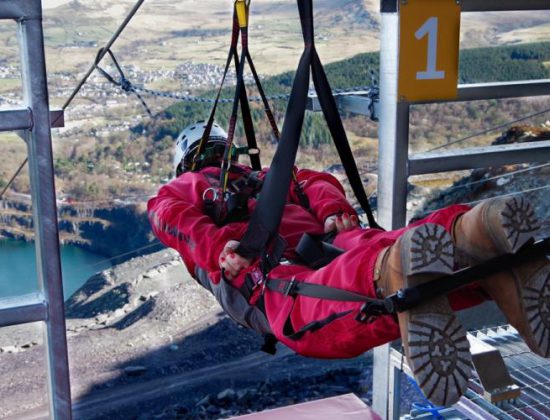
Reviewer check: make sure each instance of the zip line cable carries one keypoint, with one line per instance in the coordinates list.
(472, 203)
(103, 51)
(282, 96)
(84, 79)
(126, 253)
(126, 85)
(481, 181)
(511, 194)
(471, 136)
(13, 177)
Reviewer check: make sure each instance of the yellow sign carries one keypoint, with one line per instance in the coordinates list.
(429, 32)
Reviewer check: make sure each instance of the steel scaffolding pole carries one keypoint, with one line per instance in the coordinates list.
(395, 164)
(39, 145)
(392, 164)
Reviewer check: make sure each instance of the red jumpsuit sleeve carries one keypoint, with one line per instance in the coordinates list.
(326, 195)
(177, 218)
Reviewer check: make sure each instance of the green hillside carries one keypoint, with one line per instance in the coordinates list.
(476, 65)
(114, 165)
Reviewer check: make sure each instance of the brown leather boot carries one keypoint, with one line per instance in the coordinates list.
(500, 226)
(435, 343)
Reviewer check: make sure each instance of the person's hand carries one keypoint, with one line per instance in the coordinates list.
(341, 223)
(230, 262)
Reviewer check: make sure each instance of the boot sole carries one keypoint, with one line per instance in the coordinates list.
(516, 224)
(511, 223)
(535, 294)
(437, 347)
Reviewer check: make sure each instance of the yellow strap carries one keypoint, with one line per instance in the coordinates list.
(226, 177)
(241, 6)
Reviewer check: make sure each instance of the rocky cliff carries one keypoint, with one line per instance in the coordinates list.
(531, 180)
(111, 230)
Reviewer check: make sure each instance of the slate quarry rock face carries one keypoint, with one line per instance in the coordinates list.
(109, 230)
(483, 183)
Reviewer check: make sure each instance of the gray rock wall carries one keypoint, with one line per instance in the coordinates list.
(110, 231)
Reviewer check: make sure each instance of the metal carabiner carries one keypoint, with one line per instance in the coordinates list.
(214, 194)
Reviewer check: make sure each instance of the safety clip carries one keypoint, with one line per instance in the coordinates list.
(373, 309)
(210, 195)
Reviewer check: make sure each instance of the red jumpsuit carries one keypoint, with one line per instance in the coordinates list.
(178, 220)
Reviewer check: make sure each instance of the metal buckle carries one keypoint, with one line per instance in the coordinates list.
(290, 286)
(372, 310)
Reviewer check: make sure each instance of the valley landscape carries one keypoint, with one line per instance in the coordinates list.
(145, 327)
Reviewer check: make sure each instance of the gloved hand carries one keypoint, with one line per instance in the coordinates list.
(230, 262)
(341, 223)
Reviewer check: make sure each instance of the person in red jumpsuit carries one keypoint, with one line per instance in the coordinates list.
(375, 263)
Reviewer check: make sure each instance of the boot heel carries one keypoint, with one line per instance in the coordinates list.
(427, 248)
(511, 222)
(536, 301)
(435, 341)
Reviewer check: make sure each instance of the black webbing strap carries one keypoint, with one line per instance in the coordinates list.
(265, 220)
(370, 309)
(210, 122)
(304, 202)
(248, 124)
(408, 298)
(240, 98)
(265, 102)
(312, 326)
(294, 288)
(336, 128)
(413, 296)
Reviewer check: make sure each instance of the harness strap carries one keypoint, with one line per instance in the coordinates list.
(266, 218)
(336, 128)
(312, 326)
(232, 205)
(294, 288)
(370, 310)
(235, 109)
(210, 122)
(304, 202)
(240, 98)
(265, 221)
(245, 106)
(265, 102)
(406, 299)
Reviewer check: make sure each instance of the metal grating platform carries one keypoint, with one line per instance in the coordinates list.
(529, 371)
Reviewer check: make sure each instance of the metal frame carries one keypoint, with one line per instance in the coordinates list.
(34, 121)
(395, 165)
(21, 119)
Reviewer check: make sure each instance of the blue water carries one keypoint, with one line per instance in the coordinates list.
(18, 268)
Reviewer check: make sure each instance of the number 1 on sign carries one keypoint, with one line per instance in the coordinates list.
(430, 28)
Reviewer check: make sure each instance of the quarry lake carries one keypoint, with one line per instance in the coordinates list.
(18, 268)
